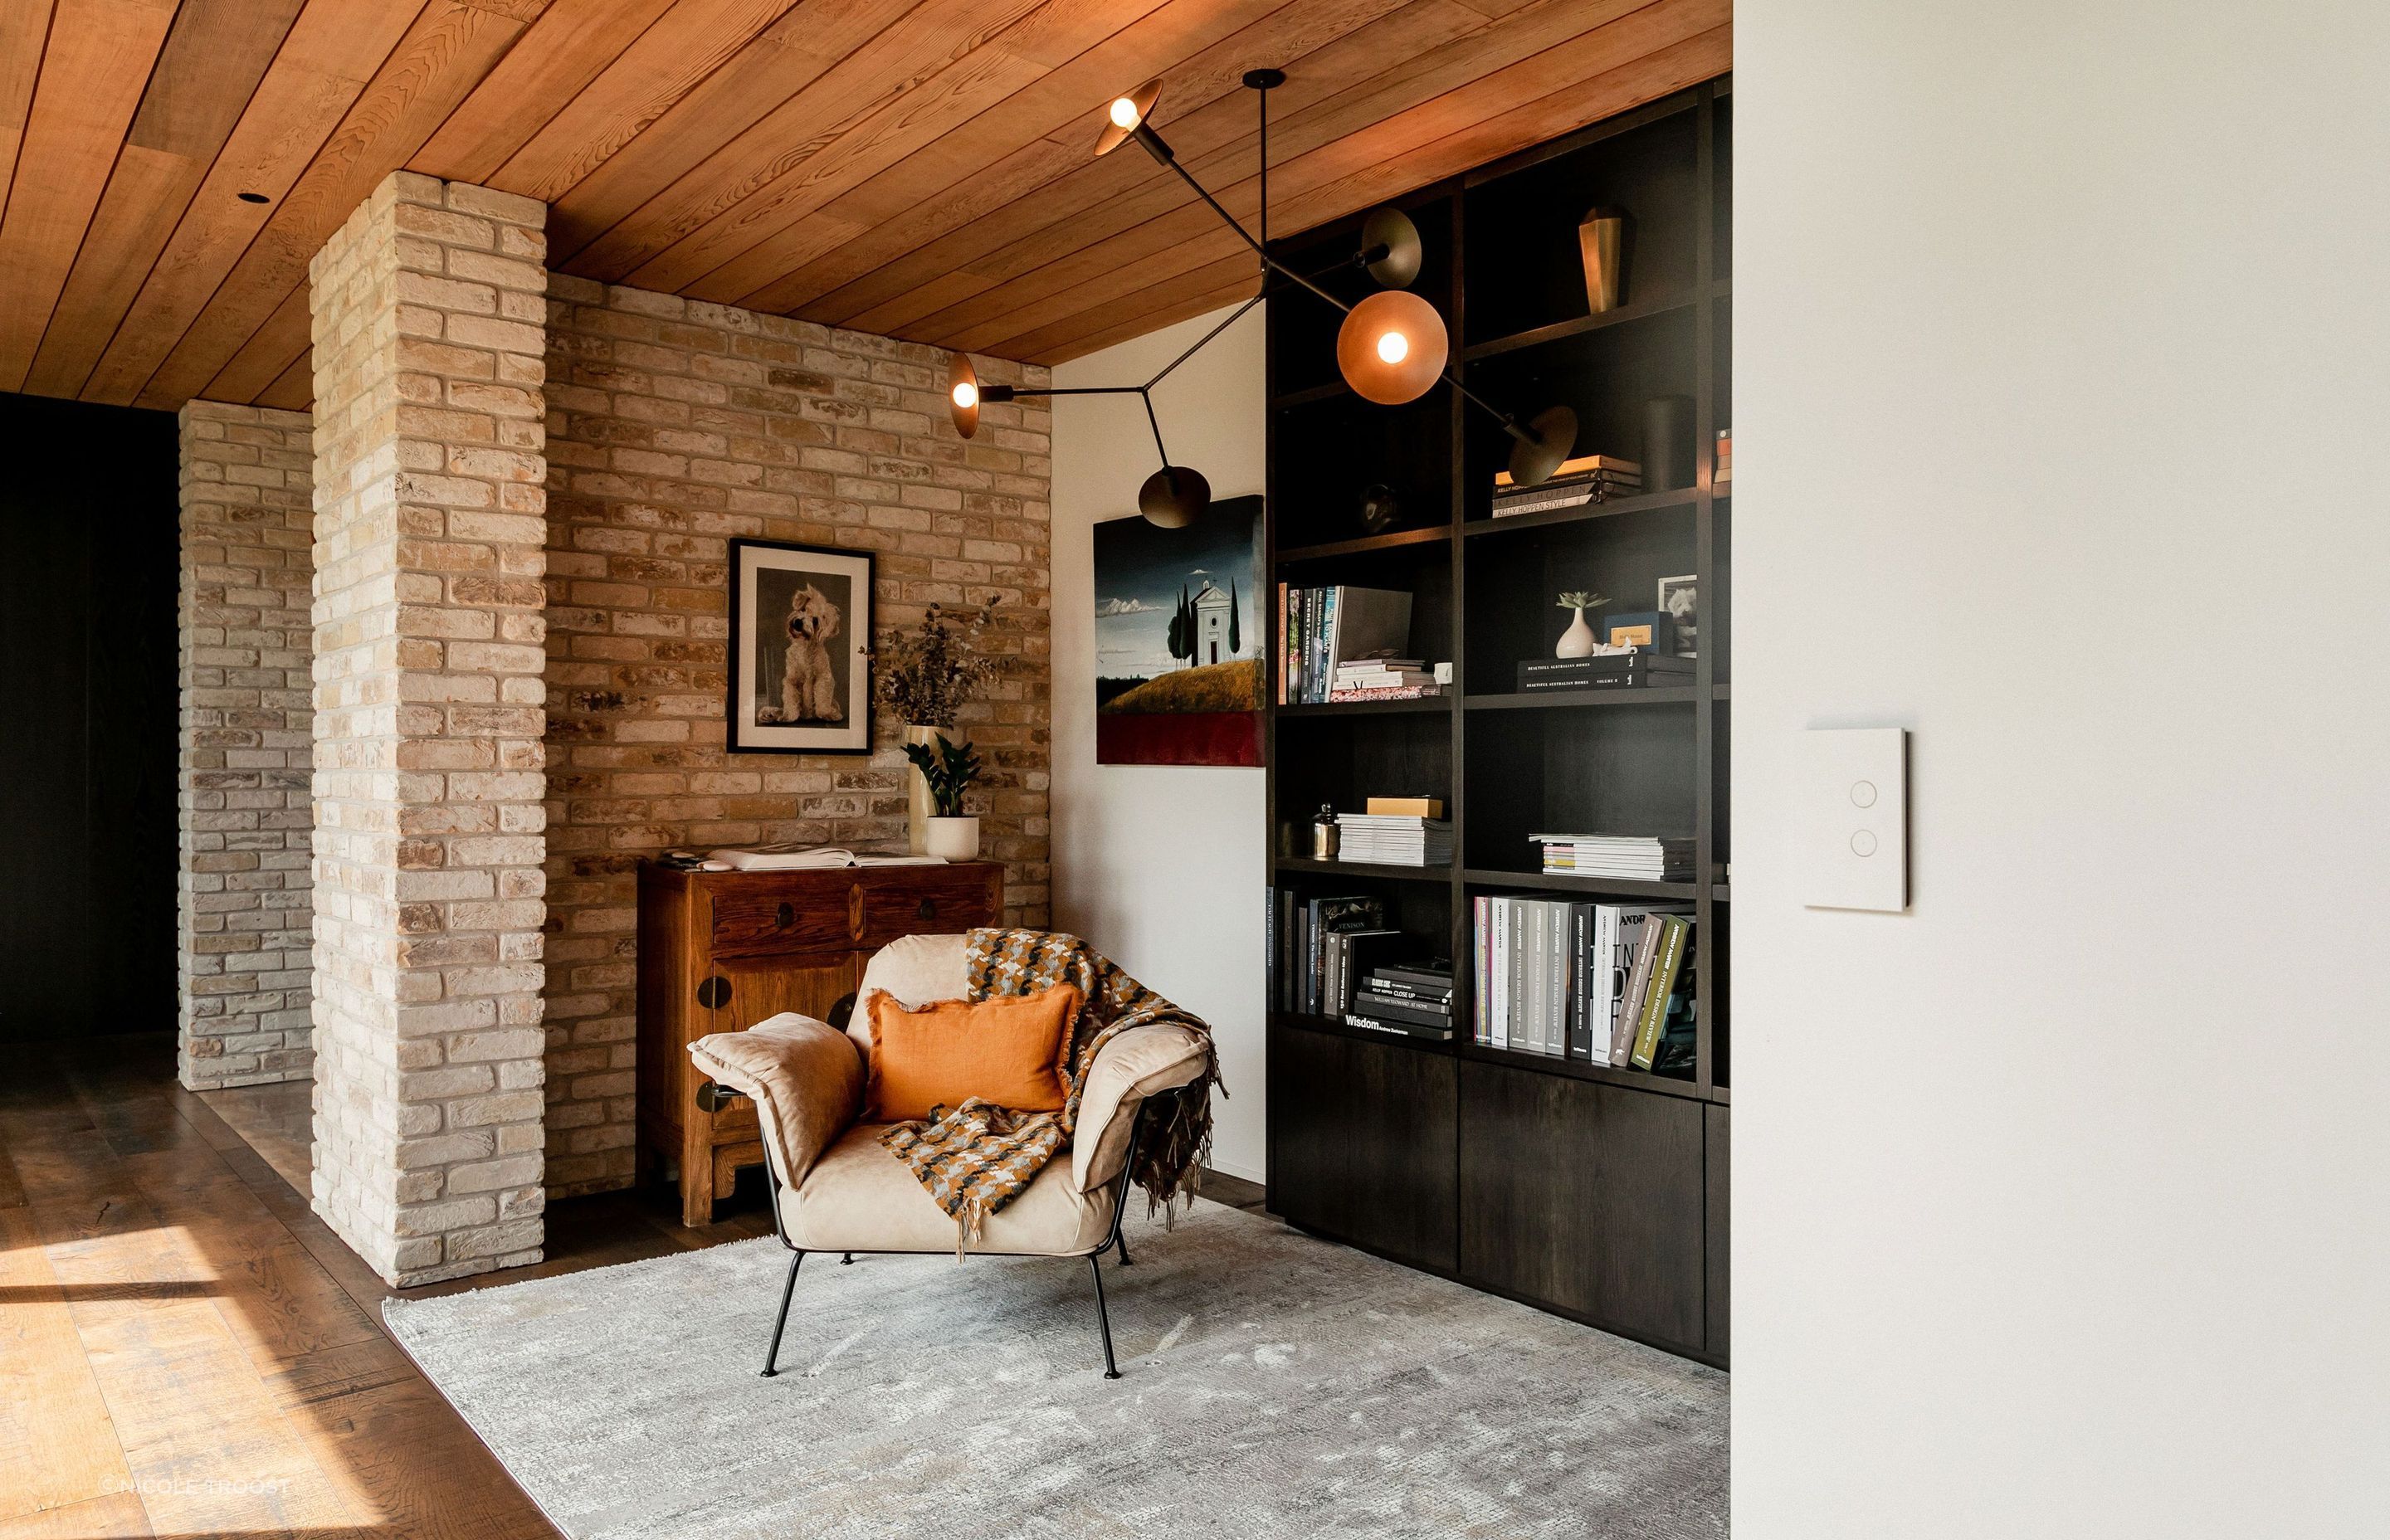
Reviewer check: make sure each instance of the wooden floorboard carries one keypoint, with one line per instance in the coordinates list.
(204, 1355)
(192, 1351)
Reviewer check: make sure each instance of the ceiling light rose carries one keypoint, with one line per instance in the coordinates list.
(1391, 348)
(1126, 116)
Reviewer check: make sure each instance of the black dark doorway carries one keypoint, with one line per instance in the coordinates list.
(88, 579)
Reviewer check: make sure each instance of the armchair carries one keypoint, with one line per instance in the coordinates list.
(835, 1188)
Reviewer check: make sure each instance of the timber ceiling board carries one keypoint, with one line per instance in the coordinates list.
(920, 168)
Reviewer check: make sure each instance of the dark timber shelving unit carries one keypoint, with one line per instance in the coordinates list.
(1594, 1192)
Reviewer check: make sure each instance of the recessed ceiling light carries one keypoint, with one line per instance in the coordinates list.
(253, 198)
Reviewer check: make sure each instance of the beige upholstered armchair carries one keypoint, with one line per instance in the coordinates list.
(835, 1188)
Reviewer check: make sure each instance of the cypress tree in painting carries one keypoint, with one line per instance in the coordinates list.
(1236, 637)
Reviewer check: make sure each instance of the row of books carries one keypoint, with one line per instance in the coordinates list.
(1605, 983)
(1724, 471)
(1587, 479)
(1632, 668)
(1319, 946)
(1383, 679)
(1640, 857)
(1414, 999)
(1393, 840)
(1320, 629)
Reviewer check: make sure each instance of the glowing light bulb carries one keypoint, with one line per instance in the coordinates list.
(1393, 347)
(1123, 112)
(965, 394)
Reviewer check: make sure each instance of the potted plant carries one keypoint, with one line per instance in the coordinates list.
(1578, 640)
(926, 676)
(948, 771)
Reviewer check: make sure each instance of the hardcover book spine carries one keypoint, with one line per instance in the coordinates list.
(1481, 956)
(1654, 1012)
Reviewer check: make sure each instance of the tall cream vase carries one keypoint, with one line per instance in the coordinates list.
(918, 808)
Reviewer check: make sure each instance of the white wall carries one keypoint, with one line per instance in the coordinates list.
(1161, 866)
(2062, 1202)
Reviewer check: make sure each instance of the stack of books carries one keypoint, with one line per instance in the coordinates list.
(1413, 999)
(1383, 679)
(1603, 984)
(1629, 668)
(1725, 471)
(1393, 840)
(1587, 479)
(1638, 857)
(1320, 629)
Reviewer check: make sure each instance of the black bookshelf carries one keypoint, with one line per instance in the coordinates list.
(1595, 1192)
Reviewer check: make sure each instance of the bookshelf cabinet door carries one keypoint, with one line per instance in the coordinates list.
(1362, 1142)
(1585, 1195)
(1715, 1128)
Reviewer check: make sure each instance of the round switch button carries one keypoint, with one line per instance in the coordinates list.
(1862, 793)
(1863, 844)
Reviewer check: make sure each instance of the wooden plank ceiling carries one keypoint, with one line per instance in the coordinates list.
(918, 168)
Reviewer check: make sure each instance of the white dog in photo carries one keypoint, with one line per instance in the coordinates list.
(808, 680)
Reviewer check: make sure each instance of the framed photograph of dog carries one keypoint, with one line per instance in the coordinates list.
(800, 658)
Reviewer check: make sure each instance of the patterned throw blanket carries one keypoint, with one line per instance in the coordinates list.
(977, 1157)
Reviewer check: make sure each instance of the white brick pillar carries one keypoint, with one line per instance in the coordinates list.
(430, 525)
(241, 942)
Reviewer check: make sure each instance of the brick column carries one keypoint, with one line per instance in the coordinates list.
(431, 527)
(242, 935)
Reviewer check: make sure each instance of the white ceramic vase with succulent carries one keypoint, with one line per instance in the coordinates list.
(1578, 640)
(926, 676)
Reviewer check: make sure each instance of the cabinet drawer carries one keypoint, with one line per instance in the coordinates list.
(800, 912)
(908, 900)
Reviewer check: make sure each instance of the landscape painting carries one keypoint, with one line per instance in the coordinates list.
(1180, 626)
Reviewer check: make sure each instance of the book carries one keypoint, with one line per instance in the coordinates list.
(1332, 917)
(1645, 929)
(1386, 840)
(1668, 958)
(1398, 989)
(1580, 466)
(1283, 629)
(784, 858)
(1405, 807)
(1396, 692)
(1481, 938)
(1404, 1029)
(1639, 667)
(1397, 1011)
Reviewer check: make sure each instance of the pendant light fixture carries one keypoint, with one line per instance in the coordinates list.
(1391, 348)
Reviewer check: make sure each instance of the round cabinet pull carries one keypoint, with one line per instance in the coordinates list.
(929, 909)
(787, 916)
(713, 993)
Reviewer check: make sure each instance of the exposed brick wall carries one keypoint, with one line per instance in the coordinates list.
(430, 768)
(247, 742)
(673, 426)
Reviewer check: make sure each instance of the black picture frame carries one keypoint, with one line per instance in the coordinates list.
(766, 580)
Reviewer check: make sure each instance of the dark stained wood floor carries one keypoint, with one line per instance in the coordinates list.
(186, 1350)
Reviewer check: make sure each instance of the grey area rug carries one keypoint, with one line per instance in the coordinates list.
(1275, 1385)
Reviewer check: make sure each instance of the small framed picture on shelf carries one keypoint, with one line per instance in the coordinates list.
(1679, 599)
(1647, 629)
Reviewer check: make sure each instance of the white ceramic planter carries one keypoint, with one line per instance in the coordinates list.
(918, 808)
(1577, 641)
(955, 838)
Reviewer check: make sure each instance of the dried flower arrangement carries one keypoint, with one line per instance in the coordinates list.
(929, 674)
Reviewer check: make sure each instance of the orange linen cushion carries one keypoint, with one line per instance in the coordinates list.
(1014, 1050)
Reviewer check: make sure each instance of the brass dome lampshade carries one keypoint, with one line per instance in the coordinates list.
(1390, 248)
(1126, 115)
(1392, 347)
(963, 395)
(1538, 452)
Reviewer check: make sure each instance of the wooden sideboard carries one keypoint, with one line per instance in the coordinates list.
(720, 951)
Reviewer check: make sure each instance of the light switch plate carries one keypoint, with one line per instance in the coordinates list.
(1855, 819)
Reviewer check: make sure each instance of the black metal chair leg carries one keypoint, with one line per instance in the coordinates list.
(1122, 1241)
(772, 1354)
(847, 1259)
(1104, 1317)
